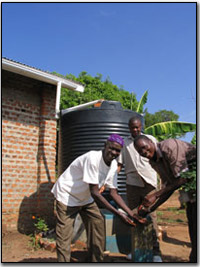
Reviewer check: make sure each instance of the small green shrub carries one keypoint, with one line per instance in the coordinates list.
(41, 225)
(34, 241)
(190, 187)
(190, 175)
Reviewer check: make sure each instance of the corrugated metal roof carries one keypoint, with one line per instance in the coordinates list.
(61, 76)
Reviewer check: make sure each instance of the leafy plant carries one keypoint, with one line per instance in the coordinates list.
(34, 241)
(164, 129)
(170, 129)
(142, 101)
(194, 140)
(190, 175)
(41, 225)
(96, 88)
(159, 116)
(163, 124)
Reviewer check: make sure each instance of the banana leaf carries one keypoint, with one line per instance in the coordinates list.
(170, 129)
(143, 101)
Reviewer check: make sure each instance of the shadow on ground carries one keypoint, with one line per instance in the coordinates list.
(172, 259)
(175, 241)
(79, 257)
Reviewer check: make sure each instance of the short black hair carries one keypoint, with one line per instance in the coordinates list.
(141, 137)
(135, 118)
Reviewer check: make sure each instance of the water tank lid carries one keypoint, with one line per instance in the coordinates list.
(111, 105)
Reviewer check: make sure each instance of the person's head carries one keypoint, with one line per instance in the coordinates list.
(135, 126)
(144, 146)
(112, 148)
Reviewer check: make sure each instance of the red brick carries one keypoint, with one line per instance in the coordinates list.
(20, 140)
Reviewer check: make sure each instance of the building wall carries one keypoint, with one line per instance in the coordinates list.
(28, 151)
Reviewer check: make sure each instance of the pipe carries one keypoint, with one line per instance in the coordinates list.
(82, 106)
(58, 93)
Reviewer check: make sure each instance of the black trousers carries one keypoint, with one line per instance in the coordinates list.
(191, 212)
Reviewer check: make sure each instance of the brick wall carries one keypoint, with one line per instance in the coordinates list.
(28, 151)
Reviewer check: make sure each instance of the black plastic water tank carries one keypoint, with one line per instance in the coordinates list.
(88, 129)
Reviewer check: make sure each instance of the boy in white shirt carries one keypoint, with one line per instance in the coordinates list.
(77, 190)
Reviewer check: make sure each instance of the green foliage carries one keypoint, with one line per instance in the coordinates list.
(143, 101)
(159, 116)
(95, 88)
(170, 129)
(190, 175)
(194, 139)
(34, 242)
(172, 213)
(41, 225)
(164, 123)
(175, 210)
(159, 213)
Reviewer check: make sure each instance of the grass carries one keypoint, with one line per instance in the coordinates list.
(171, 215)
(177, 211)
(169, 220)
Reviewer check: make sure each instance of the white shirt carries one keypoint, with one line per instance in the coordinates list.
(72, 187)
(136, 166)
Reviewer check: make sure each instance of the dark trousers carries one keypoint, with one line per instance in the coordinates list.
(135, 196)
(94, 225)
(191, 211)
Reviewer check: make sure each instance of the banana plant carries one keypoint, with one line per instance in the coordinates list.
(167, 129)
(170, 129)
(142, 102)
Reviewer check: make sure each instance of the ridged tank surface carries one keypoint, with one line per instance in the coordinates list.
(88, 129)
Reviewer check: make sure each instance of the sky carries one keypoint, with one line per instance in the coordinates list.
(140, 46)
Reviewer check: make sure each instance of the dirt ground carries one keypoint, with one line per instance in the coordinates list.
(174, 241)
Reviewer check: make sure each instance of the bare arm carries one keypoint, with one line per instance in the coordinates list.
(120, 202)
(153, 201)
(101, 200)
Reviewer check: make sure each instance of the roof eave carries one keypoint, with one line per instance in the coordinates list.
(40, 75)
